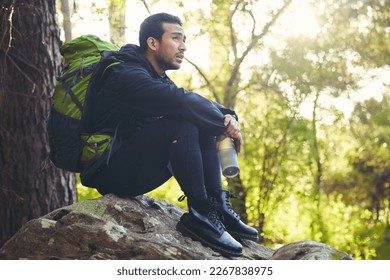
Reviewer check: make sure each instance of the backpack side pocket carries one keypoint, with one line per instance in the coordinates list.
(94, 146)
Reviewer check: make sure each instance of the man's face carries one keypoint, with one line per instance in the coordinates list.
(171, 48)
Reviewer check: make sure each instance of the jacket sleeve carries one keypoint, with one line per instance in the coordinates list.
(225, 110)
(140, 94)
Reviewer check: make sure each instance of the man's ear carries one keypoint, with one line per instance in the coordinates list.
(152, 43)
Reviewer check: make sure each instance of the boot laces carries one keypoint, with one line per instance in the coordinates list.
(214, 216)
(229, 206)
(214, 212)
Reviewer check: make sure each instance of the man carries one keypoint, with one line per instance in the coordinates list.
(161, 130)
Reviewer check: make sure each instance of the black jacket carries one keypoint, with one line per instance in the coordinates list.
(134, 92)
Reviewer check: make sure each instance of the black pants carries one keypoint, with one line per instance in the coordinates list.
(164, 148)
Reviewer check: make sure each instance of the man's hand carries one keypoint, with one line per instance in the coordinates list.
(233, 131)
(233, 127)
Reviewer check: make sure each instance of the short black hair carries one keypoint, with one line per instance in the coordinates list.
(152, 26)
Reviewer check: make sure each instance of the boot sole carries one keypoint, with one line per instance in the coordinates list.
(187, 232)
(237, 235)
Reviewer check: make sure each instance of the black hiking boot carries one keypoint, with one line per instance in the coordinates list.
(204, 226)
(231, 220)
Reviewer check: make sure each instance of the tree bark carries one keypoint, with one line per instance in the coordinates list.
(30, 186)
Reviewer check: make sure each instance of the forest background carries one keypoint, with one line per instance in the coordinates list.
(309, 80)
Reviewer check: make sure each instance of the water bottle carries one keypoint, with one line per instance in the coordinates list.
(228, 158)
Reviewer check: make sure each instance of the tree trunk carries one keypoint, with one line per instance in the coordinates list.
(67, 25)
(117, 19)
(221, 45)
(237, 188)
(30, 186)
(318, 222)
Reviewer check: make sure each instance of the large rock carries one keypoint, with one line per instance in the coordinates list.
(309, 250)
(119, 228)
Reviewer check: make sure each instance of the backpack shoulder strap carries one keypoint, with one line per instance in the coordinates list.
(107, 61)
(96, 83)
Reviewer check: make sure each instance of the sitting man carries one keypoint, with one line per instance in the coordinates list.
(162, 130)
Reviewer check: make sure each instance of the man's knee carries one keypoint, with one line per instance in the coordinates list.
(183, 128)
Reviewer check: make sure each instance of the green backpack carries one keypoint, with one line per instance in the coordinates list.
(70, 147)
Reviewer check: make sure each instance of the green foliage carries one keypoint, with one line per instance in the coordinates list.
(85, 193)
(348, 228)
(383, 251)
(169, 191)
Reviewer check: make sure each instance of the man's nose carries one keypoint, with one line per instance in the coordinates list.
(183, 47)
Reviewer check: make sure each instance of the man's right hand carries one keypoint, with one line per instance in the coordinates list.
(233, 131)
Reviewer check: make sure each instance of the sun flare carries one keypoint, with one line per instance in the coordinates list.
(301, 21)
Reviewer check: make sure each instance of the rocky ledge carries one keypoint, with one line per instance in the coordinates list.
(140, 228)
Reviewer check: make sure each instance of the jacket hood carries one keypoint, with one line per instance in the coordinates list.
(130, 54)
